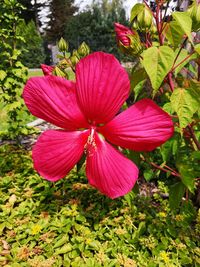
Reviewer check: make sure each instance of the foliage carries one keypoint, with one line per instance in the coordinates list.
(60, 13)
(95, 27)
(70, 224)
(168, 70)
(12, 72)
(32, 55)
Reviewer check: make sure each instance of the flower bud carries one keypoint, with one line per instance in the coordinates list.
(59, 72)
(122, 34)
(74, 60)
(83, 50)
(63, 45)
(128, 40)
(145, 19)
(47, 70)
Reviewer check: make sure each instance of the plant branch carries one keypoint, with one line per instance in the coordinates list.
(169, 169)
(184, 42)
(182, 61)
(170, 81)
(174, 173)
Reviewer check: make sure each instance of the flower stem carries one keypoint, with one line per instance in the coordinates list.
(173, 68)
(170, 80)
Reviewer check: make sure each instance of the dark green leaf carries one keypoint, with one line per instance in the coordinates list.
(176, 192)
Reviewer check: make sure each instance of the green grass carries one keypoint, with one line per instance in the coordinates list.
(33, 73)
(69, 223)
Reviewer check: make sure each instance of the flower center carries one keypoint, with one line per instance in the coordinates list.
(90, 146)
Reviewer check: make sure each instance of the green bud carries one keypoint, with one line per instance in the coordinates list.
(135, 48)
(74, 60)
(63, 45)
(58, 72)
(135, 44)
(145, 19)
(83, 50)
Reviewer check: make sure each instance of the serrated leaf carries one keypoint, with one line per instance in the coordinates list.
(173, 33)
(184, 104)
(176, 192)
(136, 9)
(157, 62)
(185, 22)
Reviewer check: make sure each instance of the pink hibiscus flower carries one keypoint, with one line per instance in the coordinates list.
(86, 111)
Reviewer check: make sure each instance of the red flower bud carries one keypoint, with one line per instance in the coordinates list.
(47, 70)
(121, 34)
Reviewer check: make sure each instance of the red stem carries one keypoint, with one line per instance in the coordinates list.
(179, 51)
(174, 173)
(157, 18)
(181, 62)
(170, 80)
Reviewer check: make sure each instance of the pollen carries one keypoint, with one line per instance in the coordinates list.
(90, 146)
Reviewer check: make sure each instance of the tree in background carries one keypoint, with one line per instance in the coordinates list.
(32, 11)
(95, 26)
(60, 13)
(33, 52)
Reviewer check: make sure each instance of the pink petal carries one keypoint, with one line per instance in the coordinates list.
(102, 86)
(110, 171)
(56, 152)
(142, 127)
(47, 70)
(53, 99)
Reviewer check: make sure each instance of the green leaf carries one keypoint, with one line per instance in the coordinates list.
(176, 192)
(184, 104)
(168, 108)
(138, 79)
(137, 76)
(185, 22)
(187, 176)
(167, 149)
(148, 174)
(188, 167)
(197, 48)
(174, 33)
(2, 75)
(66, 248)
(61, 241)
(157, 62)
(136, 9)
(179, 68)
(195, 90)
